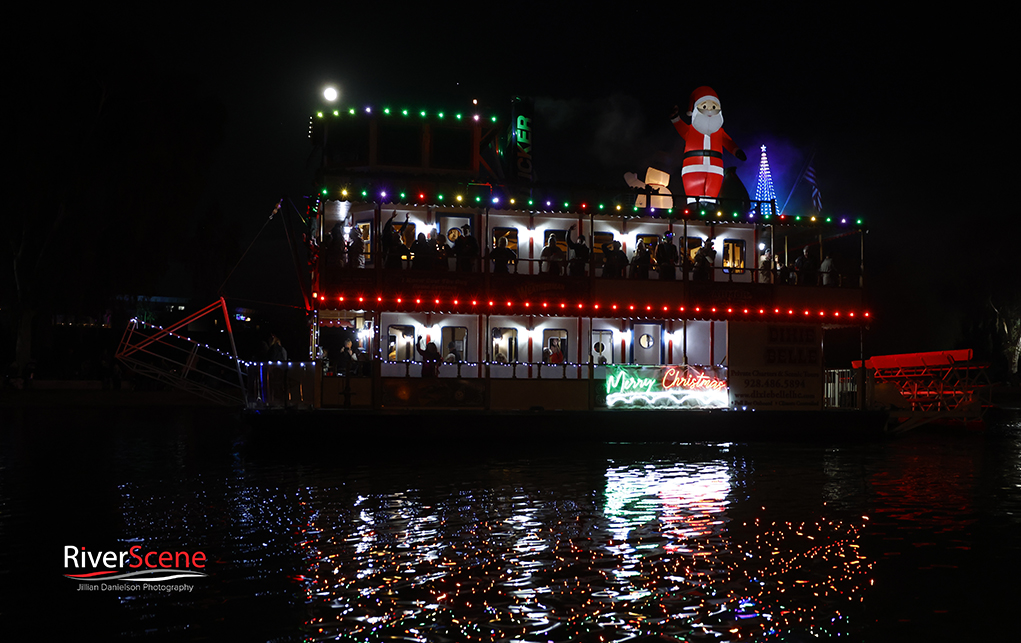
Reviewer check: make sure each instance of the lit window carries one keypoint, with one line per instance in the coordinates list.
(505, 345)
(401, 344)
(733, 256)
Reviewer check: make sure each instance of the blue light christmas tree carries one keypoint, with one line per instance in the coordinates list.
(764, 188)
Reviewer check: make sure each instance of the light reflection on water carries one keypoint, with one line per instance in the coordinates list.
(721, 541)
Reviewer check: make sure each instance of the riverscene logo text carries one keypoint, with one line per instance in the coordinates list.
(134, 565)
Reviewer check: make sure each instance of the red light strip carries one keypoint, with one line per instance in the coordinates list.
(649, 309)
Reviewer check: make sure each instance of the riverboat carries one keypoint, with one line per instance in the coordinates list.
(444, 277)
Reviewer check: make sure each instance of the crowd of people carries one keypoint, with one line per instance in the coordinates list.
(652, 255)
(803, 271)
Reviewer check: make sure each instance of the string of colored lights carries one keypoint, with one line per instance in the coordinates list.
(389, 195)
(499, 196)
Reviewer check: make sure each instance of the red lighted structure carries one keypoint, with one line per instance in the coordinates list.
(926, 387)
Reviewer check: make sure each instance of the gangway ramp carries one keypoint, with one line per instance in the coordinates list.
(165, 355)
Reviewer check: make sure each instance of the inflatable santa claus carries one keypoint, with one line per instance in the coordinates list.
(704, 142)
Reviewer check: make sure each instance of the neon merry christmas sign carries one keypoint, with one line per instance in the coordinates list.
(666, 387)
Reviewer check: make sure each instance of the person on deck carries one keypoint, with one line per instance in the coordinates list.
(667, 258)
(453, 353)
(704, 259)
(615, 262)
(393, 242)
(828, 271)
(355, 249)
(466, 250)
(552, 256)
(553, 354)
(430, 358)
(442, 252)
(577, 265)
(807, 269)
(347, 361)
(502, 256)
(766, 267)
(641, 263)
(423, 253)
(277, 352)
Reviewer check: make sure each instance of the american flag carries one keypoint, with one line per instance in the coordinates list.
(816, 196)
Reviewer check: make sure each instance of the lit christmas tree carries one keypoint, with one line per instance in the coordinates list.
(764, 189)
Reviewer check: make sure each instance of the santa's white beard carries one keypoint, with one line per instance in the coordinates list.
(705, 124)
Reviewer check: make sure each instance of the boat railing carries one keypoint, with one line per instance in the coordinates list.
(841, 388)
(594, 270)
(281, 384)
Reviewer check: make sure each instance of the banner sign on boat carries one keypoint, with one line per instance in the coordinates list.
(521, 136)
(682, 387)
(775, 366)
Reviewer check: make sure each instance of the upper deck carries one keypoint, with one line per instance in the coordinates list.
(732, 282)
(431, 173)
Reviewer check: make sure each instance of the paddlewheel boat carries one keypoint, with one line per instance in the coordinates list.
(443, 278)
(460, 282)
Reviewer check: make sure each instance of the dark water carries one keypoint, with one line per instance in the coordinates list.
(911, 539)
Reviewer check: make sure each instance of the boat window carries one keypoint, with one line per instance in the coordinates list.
(554, 345)
(450, 225)
(733, 255)
(401, 343)
(455, 339)
(511, 234)
(505, 345)
(647, 239)
(602, 347)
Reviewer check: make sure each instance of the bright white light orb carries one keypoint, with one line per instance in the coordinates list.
(330, 94)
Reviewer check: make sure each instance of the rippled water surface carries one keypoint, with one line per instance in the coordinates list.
(310, 539)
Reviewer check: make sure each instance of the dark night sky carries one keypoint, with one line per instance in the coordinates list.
(882, 97)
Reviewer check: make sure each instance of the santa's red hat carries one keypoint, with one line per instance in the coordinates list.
(699, 94)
